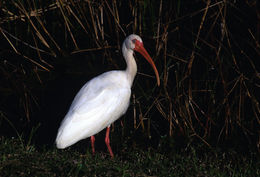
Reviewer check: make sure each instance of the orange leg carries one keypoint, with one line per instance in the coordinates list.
(107, 141)
(93, 144)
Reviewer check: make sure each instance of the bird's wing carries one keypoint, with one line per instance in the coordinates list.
(98, 95)
(89, 116)
(100, 102)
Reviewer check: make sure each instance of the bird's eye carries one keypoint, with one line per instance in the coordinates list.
(134, 40)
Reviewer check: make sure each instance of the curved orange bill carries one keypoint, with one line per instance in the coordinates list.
(140, 48)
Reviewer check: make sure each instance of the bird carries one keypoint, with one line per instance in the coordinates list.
(102, 100)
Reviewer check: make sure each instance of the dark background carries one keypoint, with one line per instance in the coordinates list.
(206, 53)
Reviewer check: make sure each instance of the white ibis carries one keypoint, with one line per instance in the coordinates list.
(102, 100)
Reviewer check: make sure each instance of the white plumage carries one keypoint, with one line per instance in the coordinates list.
(102, 100)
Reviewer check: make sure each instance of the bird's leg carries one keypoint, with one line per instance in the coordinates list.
(107, 141)
(93, 144)
(122, 124)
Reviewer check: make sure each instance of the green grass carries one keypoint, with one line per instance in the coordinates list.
(19, 160)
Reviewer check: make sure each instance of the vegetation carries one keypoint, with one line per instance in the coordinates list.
(17, 160)
(206, 52)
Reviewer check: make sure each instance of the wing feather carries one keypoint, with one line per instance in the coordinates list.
(98, 104)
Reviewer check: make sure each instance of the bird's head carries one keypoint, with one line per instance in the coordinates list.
(135, 43)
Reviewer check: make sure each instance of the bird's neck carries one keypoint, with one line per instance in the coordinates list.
(131, 67)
